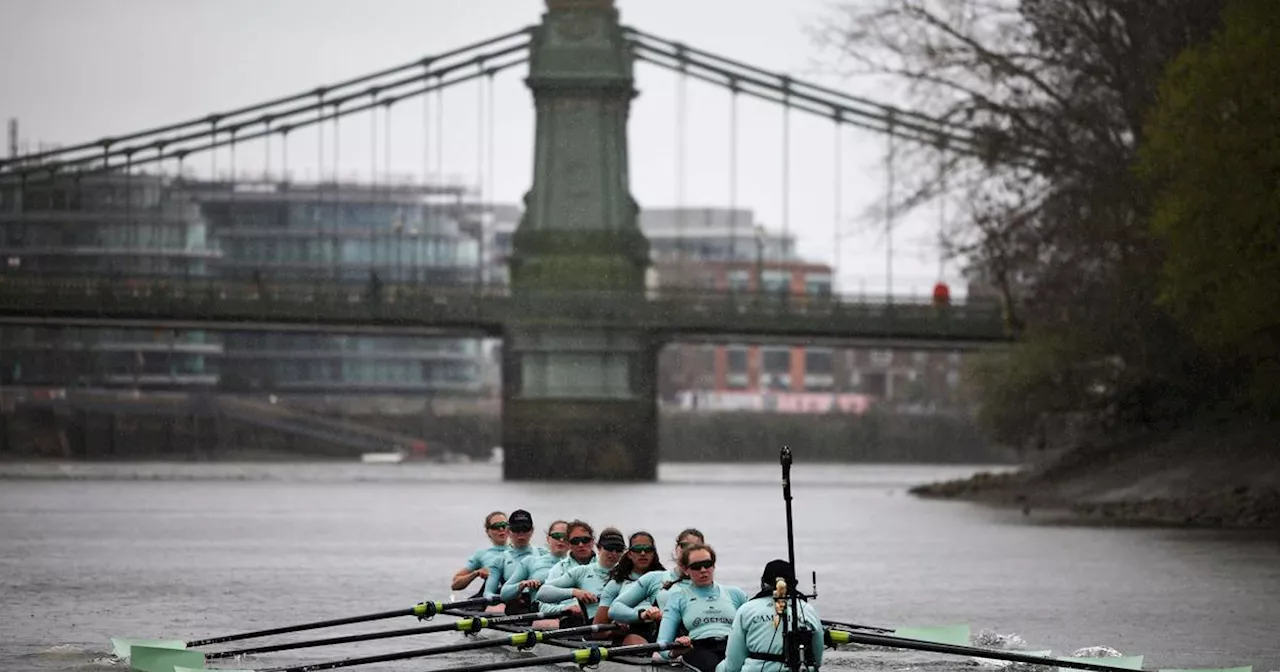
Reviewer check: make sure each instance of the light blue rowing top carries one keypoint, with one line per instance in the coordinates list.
(704, 612)
(753, 631)
(511, 561)
(611, 590)
(641, 593)
(486, 557)
(531, 566)
(591, 578)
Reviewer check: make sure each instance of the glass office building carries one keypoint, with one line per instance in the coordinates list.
(279, 232)
(104, 227)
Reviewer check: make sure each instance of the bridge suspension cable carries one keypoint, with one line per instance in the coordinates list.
(815, 99)
(205, 141)
(213, 120)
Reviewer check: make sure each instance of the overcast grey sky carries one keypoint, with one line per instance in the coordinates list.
(77, 70)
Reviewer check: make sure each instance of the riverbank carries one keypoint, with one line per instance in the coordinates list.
(1217, 476)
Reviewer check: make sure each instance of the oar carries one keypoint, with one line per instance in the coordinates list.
(122, 647)
(844, 637)
(587, 656)
(521, 640)
(940, 634)
(855, 626)
(463, 625)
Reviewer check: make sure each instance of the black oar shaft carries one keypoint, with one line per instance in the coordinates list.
(519, 639)
(589, 656)
(464, 625)
(422, 610)
(842, 637)
(856, 626)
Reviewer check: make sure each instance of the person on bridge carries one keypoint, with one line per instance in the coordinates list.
(486, 560)
(756, 643)
(941, 295)
(704, 608)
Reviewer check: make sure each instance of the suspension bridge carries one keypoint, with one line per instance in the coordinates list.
(580, 322)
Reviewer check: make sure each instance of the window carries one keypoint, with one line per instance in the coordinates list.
(817, 284)
(818, 367)
(739, 281)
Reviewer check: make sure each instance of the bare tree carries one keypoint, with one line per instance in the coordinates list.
(1052, 213)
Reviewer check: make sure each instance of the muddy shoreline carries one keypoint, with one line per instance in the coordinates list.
(1214, 475)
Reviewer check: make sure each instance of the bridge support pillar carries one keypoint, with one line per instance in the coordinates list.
(579, 405)
(579, 398)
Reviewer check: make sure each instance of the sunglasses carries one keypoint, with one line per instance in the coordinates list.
(687, 544)
(581, 541)
(614, 548)
(497, 526)
(521, 530)
(641, 548)
(701, 565)
(558, 536)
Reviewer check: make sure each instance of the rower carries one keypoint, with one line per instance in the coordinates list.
(581, 543)
(520, 524)
(756, 642)
(644, 599)
(640, 559)
(520, 585)
(582, 548)
(705, 608)
(482, 562)
(583, 583)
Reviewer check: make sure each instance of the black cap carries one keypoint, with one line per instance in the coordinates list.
(776, 569)
(520, 521)
(612, 540)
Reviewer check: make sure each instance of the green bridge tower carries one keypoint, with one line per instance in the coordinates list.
(579, 403)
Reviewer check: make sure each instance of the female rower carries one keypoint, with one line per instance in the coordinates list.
(582, 546)
(641, 558)
(705, 609)
(643, 599)
(531, 570)
(584, 582)
(520, 522)
(483, 561)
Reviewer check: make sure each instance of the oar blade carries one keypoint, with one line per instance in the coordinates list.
(956, 635)
(159, 659)
(121, 646)
(1117, 662)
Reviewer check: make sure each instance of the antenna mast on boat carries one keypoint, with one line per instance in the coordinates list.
(796, 634)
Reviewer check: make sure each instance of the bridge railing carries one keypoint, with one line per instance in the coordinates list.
(489, 308)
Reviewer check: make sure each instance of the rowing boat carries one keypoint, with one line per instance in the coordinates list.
(182, 655)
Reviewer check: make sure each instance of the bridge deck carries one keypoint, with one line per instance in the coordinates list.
(223, 305)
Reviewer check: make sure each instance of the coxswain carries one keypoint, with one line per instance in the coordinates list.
(640, 559)
(583, 583)
(520, 524)
(482, 562)
(756, 642)
(643, 599)
(525, 579)
(704, 608)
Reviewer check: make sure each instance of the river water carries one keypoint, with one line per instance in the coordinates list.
(90, 551)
